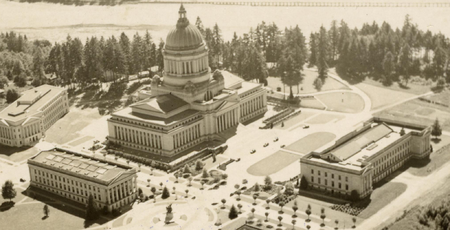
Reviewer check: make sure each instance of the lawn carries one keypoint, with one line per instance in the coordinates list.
(311, 142)
(324, 118)
(289, 123)
(273, 163)
(418, 112)
(312, 103)
(306, 87)
(17, 154)
(382, 96)
(66, 129)
(382, 196)
(342, 102)
(412, 88)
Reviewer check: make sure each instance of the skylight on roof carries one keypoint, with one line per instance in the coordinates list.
(101, 170)
(50, 157)
(58, 159)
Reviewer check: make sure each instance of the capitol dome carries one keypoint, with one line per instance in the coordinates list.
(185, 36)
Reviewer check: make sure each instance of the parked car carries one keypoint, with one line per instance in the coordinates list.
(276, 139)
(253, 151)
(22, 180)
(282, 146)
(306, 126)
(266, 144)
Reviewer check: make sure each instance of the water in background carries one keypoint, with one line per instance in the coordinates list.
(54, 21)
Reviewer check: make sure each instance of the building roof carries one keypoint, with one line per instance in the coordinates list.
(357, 143)
(231, 80)
(185, 36)
(30, 103)
(81, 164)
(161, 104)
(128, 113)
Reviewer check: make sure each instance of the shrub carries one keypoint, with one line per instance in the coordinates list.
(187, 169)
(205, 174)
(303, 183)
(224, 176)
(233, 212)
(289, 189)
(11, 95)
(354, 196)
(256, 187)
(165, 193)
(198, 165)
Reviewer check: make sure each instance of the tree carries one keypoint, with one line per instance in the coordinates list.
(256, 187)
(3, 82)
(8, 191)
(20, 80)
(322, 216)
(436, 129)
(268, 201)
(405, 62)
(333, 35)
(187, 191)
(202, 183)
(233, 213)
(318, 84)
(255, 196)
(11, 95)
(92, 212)
(354, 222)
(200, 27)
(440, 83)
(308, 212)
(313, 50)
(198, 165)
(281, 204)
(223, 203)
(153, 190)
(402, 131)
(289, 71)
(238, 192)
(267, 183)
(253, 212)
(322, 54)
(239, 207)
(187, 169)
(336, 222)
(46, 210)
(165, 193)
(303, 183)
(354, 195)
(295, 208)
(280, 218)
(293, 224)
(388, 68)
(289, 189)
(439, 61)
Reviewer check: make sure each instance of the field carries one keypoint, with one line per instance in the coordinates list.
(418, 112)
(412, 88)
(306, 87)
(272, 163)
(380, 96)
(311, 142)
(342, 102)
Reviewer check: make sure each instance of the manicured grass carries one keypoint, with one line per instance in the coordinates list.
(289, 123)
(413, 88)
(311, 142)
(342, 102)
(308, 78)
(66, 128)
(17, 154)
(382, 196)
(438, 157)
(443, 97)
(381, 96)
(272, 163)
(418, 112)
(324, 118)
(311, 103)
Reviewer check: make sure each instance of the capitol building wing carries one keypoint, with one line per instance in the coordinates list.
(188, 105)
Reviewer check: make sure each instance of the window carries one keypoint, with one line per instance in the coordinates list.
(332, 183)
(312, 179)
(312, 171)
(326, 182)
(339, 177)
(346, 179)
(318, 180)
(326, 174)
(346, 187)
(340, 185)
(332, 176)
(318, 172)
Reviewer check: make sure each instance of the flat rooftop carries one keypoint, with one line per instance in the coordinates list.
(231, 80)
(247, 86)
(30, 103)
(80, 164)
(128, 113)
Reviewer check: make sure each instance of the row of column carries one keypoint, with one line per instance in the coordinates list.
(120, 191)
(227, 120)
(252, 105)
(6, 133)
(138, 137)
(186, 67)
(186, 136)
(31, 130)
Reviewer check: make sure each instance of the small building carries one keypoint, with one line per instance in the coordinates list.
(25, 121)
(365, 156)
(75, 176)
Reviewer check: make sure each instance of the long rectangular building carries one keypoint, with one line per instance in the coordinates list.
(76, 176)
(25, 121)
(365, 156)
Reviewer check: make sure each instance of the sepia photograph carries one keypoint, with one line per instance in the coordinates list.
(224, 114)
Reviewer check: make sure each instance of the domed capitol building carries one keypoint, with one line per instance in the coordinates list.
(188, 105)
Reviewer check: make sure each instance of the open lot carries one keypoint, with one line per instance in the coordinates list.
(418, 112)
(381, 96)
(311, 142)
(308, 78)
(345, 102)
(272, 163)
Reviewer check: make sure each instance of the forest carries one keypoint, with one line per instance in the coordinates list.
(374, 51)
